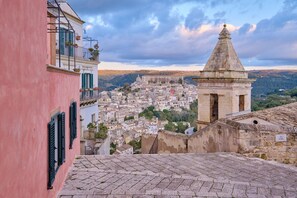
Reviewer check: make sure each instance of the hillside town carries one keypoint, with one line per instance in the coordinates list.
(58, 130)
(119, 109)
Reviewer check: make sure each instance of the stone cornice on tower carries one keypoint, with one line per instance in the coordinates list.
(224, 62)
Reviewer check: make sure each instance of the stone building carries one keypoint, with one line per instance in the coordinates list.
(225, 123)
(223, 87)
(155, 79)
(268, 134)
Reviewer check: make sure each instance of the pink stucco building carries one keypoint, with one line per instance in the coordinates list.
(37, 103)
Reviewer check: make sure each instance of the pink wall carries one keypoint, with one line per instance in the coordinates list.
(28, 95)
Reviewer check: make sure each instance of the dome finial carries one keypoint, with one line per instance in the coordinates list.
(225, 25)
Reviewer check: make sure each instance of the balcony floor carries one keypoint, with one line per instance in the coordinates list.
(179, 175)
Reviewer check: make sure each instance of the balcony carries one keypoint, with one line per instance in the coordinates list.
(88, 54)
(89, 95)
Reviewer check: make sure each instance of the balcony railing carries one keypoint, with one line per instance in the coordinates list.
(80, 53)
(86, 54)
(89, 94)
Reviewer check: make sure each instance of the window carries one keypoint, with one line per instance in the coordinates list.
(66, 40)
(93, 118)
(87, 83)
(241, 103)
(72, 122)
(56, 145)
(87, 80)
(214, 107)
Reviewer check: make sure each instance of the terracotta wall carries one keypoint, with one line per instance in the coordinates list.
(28, 95)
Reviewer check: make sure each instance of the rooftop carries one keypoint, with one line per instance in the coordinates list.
(285, 115)
(224, 56)
(179, 175)
(224, 62)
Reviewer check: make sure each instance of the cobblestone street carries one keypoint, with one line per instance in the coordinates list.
(179, 175)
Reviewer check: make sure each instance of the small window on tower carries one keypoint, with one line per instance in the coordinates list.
(241, 103)
(214, 107)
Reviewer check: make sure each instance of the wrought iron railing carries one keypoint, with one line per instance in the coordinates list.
(89, 94)
(80, 52)
(60, 20)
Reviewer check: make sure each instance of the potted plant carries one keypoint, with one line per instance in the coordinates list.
(75, 45)
(68, 43)
(76, 69)
(94, 52)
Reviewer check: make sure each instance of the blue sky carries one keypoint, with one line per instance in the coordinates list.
(182, 33)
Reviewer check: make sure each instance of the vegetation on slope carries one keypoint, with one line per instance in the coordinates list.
(274, 99)
(173, 117)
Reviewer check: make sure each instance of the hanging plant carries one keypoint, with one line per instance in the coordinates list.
(68, 43)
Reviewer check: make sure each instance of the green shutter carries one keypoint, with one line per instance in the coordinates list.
(71, 125)
(83, 84)
(74, 120)
(51, 154)
(91, 84)
(91, 81)
(61, 138)
(62, 41)
(71, 41)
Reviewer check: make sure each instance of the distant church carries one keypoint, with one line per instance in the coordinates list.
(223, 87)
(225, 121)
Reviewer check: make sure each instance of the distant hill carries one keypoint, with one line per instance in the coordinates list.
(267, 81)
(111, 79)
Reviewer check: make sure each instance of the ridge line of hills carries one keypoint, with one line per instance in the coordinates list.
(267, 81)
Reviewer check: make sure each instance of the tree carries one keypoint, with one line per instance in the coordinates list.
(103, 128)
(102, 132)
(136, 144)
(113, 148)
(151, 108)
(170, 127)
(181, 127)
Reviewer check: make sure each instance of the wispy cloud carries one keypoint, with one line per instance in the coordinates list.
(184, 32)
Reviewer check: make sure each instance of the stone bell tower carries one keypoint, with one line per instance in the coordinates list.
(223, 87)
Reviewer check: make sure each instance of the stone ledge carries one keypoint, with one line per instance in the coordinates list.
(52, 68)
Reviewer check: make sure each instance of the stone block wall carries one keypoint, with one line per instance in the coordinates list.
(147, 144)
(218, 137)
(269, 145)
(171, 142)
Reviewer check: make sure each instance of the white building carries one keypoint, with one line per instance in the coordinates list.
(75, 51)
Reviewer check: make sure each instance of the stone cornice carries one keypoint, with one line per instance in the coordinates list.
(52, 68)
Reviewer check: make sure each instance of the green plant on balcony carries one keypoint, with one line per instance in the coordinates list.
(68, 43)
(91, 126)
(94, 52)
(102, 132)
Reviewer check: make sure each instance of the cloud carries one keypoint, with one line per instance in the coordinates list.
(195, 18)
(160, 33)
(245, 28)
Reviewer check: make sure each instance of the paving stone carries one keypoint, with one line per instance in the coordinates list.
(178, 175)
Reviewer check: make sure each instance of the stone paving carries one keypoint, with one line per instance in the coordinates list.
(179, 175)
